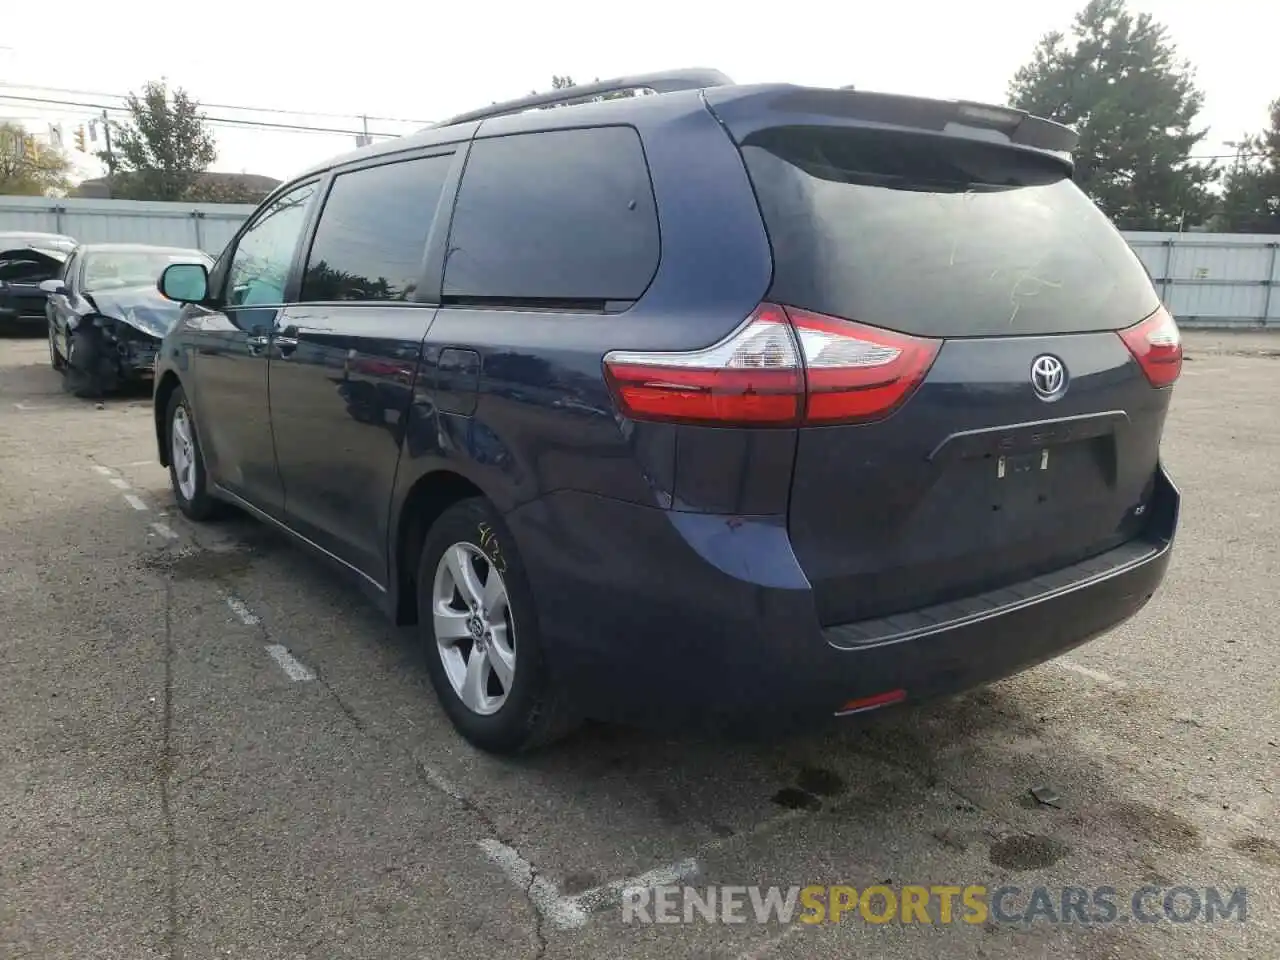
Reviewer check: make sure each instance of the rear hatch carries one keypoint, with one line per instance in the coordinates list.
(1015, 431)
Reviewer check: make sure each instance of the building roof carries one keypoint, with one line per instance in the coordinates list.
(137, 248)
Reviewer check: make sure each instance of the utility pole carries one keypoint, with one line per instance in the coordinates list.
(111, 158)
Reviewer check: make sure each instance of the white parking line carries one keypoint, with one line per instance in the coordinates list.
(542, 893)
(611, 893)
(570, 912)
(441, 782)
(246, 616)
(143, 463)
(293, 668)
(296, 671)
(1097, 675)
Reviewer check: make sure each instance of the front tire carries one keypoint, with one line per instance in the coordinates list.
(187, 475)
(479, 628)
(89, 372)
(55, 358)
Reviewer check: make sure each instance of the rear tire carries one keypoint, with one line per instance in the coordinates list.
(187, 475)
(509, 703)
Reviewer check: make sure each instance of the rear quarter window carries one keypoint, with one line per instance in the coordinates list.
(939, 236)
(563, 216)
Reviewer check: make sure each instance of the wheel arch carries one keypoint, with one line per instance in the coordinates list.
(429, 496)
(164, 389)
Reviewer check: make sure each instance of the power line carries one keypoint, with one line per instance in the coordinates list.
(217, 106)
(226, 121)
(309, 128)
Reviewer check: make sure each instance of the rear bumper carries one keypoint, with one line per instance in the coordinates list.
(675, 621)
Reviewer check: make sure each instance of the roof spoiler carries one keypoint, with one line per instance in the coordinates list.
(745, 110)
(668, 81)
(1019, 126)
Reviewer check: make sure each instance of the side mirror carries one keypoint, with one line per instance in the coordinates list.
(185, 282)
(52, 287)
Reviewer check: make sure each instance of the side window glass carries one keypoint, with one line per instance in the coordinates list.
(260, 265)
(373, 231)
(563, 215)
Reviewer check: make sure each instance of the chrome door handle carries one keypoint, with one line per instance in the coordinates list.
(257, 341)
(286, 341)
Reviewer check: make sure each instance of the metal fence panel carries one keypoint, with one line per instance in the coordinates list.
(1215, 279)
(205, 226)
(1206, 279)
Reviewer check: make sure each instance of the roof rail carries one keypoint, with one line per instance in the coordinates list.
(668, 81)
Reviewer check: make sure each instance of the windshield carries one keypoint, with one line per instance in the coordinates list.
(131, 268)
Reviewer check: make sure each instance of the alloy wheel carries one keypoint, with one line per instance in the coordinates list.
(475, 634)
(183, 453)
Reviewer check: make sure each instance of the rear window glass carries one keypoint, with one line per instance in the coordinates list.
(557, 216)
(939, 236)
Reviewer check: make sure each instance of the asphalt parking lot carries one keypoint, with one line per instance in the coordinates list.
(212, 746)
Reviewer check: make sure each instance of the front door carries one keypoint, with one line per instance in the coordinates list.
(232, 345)
(344, 357)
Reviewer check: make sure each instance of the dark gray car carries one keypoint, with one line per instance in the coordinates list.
(106, 319)
(726, 406)
(27, 260)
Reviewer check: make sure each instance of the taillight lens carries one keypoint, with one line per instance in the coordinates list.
(856, 373)
(782, 367)
(1157, 346)
(752, 377)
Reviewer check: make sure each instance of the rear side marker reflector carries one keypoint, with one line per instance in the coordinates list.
(864, 704)
(1157, 346)
(781, 367)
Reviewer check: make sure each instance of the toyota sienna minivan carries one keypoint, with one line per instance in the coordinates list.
(721, 406)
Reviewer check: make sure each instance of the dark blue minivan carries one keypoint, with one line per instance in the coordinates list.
(730, 406)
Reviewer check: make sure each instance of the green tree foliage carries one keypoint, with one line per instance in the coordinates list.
(1251, 188)
(224, 190)
(160, 152)
(30, 172)
(1119, 82)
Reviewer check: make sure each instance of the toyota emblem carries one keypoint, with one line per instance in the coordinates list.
(1048, 377)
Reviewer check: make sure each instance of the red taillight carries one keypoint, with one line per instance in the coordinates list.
(857, 373)
(1157, 346)
(782, 367)
(753, 376)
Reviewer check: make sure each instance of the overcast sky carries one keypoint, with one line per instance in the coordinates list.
(421, 62)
